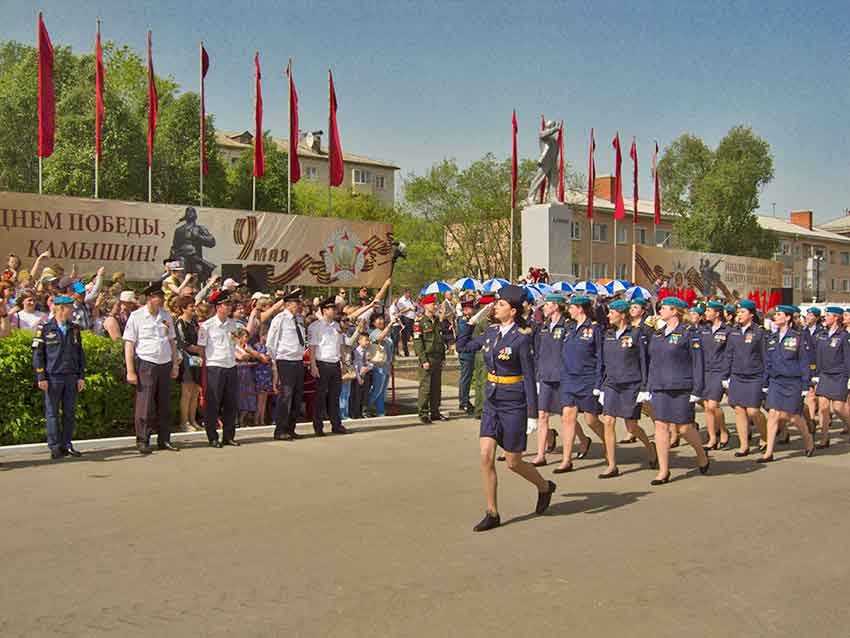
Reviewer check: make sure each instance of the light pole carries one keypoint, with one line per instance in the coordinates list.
(817, 259)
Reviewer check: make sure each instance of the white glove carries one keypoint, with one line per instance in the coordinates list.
(805, 392)
(477, 316)
(764, 390)
(596, 392)
(643, 396)
(694, 398)
(538, 387)
(725, 384)
(531, 427)
(601, 398)
(815, 380)
(848, 384)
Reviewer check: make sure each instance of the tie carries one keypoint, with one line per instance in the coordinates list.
(298, 332)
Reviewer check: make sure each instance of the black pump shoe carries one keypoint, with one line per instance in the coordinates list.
(544, 498)
(666, 479)
(490, 521)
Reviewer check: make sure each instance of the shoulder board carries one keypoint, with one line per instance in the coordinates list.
(525, 331)
(419, 317)
(592, 323)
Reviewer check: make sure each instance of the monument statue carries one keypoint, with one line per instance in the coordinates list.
(547, 164)
(190, 239)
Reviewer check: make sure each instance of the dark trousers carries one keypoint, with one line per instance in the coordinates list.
(465, 382)
(61, 395)
(153, 401)
(406, 333)
(291, 377)
(359, 395)
(221, 397)
(328, 387)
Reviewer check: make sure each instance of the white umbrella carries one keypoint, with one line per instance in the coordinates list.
(435, 288)
(562, 286)
(492, 285)
(637, 291)
(590, 288)
(467, 283)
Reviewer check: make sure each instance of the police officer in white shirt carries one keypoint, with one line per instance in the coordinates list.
(221, 394)
(407, 311)
(151, 357)
(285, 344)
(325, 340)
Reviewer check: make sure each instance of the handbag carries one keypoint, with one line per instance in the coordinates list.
(376, 354)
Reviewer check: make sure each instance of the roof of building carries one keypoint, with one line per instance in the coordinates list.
(784, 227)
(646, 207)
(837, 225)
(229, 139)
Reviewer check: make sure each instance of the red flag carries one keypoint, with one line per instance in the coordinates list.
(153, 104)
(46, 96)
(543, 183)
(98, 97)
(619, 204)
(259, 155)
(514, 168)
(294, 164)
(657, 189)
(205, 66)
(633, 155)
(561, 163)
(337, 172)
(591, 176)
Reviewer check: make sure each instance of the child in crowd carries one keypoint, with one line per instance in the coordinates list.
(363, 369)
(246, 361)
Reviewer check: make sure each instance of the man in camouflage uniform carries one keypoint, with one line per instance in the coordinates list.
(431, 351)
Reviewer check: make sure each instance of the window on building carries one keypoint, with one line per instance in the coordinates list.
(312, 173)
(622, 235)
(621, 271)
(640, 235)
(785, 248)
(832, 285)
(797, 252)
(845, 285)
(845, 259)
(600, 233)
(233, 160)
(361, 176)
(575, 230)
(662, 238)
(818, 251)
(379, 182)
(576, 270)
(599, 271)
(787, 280)
(797, 285)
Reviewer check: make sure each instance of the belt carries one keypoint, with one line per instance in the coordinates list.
(494, 378)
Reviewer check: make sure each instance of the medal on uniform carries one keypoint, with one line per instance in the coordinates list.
(505, 353)
(790, 343)
(833, 343)
(587, 334)
(626, 342)
(556, 333)
(748, 338)
(673, 338)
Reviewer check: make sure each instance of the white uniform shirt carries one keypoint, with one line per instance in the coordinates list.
(150, 335)
(29, 320)
(214, 337)
(327, 340)
(282, 341)
(406, 308)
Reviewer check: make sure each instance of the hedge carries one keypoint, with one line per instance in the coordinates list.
(104, 408)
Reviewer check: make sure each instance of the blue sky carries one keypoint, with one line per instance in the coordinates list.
(421, 81)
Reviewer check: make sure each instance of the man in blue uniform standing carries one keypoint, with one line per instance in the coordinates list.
(58, 360)
(467, 359)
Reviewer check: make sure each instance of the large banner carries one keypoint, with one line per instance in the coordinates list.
(137, 238)
(708, 274)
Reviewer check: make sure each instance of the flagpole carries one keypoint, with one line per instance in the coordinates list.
(511, 253)
(38, 39)
(614, 272)
(150, 152)
(289, 154)
(254, 177)
(329, 142)
(203, 150)
(96, 157)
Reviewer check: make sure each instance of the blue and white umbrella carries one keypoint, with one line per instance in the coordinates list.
(467, 283)
(536, 295)
(492, 285)
(637, 291)
(590, 288)
(546, 289)
(562, 286)
(435, 288)
(617, 286)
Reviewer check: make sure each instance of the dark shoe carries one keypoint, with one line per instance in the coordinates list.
(703, 469)
(232, 442)
(539, 463)
(294, 436)
(584, 452)
(666, 479)
(653, 463)
(612, 474)
(501, 457)
(215, 443)
(544, 498)
(168, 446)
(340, 430)
(563, 470)
(56, 454)
(551, 447)
(439, 417)
(822, 446)
(739, 454)
(765, 459)
(723, 444)
(674, 444)
(490, 521)
(72, 452)
(283, 437)
(470, 409)
(709, 448)
(786, 440)
(810, 453)
(425, 419)
(628, 441)
(143, 447)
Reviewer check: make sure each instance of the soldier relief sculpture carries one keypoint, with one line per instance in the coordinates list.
(190, 239)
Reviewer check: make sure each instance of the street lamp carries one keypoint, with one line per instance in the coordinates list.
(817, 261)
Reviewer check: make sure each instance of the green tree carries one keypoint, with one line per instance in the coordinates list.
(715, 193)
(271, 187)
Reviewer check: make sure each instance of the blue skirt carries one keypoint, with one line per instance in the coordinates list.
(549, 397)
(672, 406)
(505, 421)
(785, 395)
(745, 393)
(713, 387)
(583, 399)
(832, 386)
(621, 401)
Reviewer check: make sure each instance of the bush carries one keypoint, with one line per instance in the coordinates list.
(104, 408)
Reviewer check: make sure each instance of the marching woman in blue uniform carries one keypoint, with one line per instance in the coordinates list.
(746, 380)
(547, 352)
(624, 356)
(57, 356)
(638, 317)
(510, 405)
(808, 333)
(788, 378)
(713, 336)
(581, 379)
(676, 378)
(832, 361)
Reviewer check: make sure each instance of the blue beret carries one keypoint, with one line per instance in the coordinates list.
(696, 309)
(835, 310)
(514, 295)
(675, 302)
(78, 287)
(555, 297)
(729, 308)
(814, 310)
(787, 309)
(715, 305)
(62, 300)
(578, 300)
(619, 305)
(638, 301)
(797, 310)
(747, 305)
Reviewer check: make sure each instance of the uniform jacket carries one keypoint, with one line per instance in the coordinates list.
(747, 353)
(675, 361)
(832, 353)
(809, 339)
(548, 339)
(788, 357)
(462, 324)
(508, 356)
(624, 357)
(581, 356)
(54, 353)
(713, 345)
(428, 339)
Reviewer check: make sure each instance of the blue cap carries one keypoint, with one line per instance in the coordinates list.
(746, 304)
(814, 310)
(514, 295)
(62, 300)
(786, 308)
(555, 297)
(729, 308)
(78, 287)
(578, 300)
(638, 301)
(675, 302)
(715, 305)
(619, 305)
(697, 309)
(835, 310)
